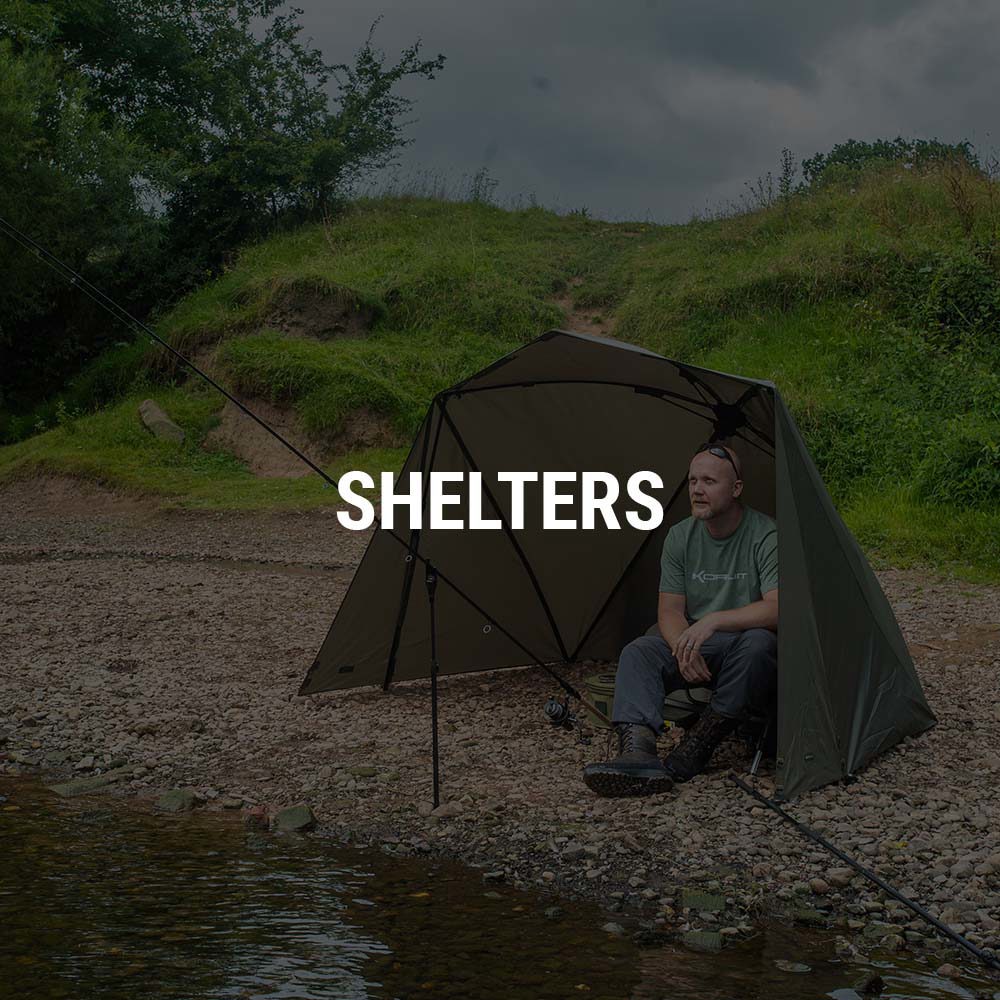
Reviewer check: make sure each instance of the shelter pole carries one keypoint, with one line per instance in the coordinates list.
(505, 523)
(431, 581)
(635, 558)
(404, 597)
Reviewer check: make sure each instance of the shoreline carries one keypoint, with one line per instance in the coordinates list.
(175, 641)
(625, 911)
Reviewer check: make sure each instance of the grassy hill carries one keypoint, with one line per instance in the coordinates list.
(873, 302)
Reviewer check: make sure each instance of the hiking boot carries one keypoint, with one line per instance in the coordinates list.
(635, 771)
(692, 754)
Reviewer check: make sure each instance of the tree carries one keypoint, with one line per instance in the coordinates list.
(235, 110)
(66, 181)
(147, 142)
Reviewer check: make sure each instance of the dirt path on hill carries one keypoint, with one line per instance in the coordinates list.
(175, 641)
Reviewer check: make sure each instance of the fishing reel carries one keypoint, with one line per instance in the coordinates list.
(559, 713)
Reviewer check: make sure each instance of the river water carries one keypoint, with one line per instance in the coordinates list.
(105, 902)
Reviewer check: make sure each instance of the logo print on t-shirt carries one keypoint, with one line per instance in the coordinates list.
(702, 577)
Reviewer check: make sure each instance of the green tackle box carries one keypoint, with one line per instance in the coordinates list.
(679, 707)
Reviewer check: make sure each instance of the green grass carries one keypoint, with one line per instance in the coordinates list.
(906, 532)
(394, 374)
(112, 447)
(426, 268)
(872, 303)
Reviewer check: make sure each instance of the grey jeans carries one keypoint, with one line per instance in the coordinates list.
(743, 665)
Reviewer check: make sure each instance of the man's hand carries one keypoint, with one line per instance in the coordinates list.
(687, 649)
(694, 669)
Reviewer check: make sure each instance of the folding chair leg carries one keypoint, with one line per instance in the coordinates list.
(758, 755)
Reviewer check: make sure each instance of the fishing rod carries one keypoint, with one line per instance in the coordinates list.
(985, 957)
(124, 316)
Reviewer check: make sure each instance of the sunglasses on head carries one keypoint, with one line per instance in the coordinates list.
(719, 452)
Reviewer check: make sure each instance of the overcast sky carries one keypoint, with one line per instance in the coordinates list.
(662, 108)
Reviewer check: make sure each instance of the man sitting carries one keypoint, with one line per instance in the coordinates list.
(717, 621)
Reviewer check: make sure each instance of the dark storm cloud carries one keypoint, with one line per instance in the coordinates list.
(773, 40)
(660, 109)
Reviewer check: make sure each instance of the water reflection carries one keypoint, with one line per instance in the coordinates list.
(109, 903)
(101, 903)
(787, 962)
(490, 942)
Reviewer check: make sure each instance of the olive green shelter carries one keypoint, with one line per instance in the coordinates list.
(847, 688)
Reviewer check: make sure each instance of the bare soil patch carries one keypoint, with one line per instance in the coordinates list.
(263, 453)
(311, 312)
(267, 457)
(64, 496)
(583, 319)
(365, 428)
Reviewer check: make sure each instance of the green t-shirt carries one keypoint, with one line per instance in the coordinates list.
(720, 574)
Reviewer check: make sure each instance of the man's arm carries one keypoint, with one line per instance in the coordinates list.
(759, 614)
(674, 624)
(671, 618)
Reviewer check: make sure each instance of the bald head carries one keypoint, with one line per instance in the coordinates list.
(732, 462)
(715, 482)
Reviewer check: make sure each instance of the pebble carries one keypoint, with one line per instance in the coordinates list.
(844, 948)
(448, 810)
(177, 800)
(871, 984)
(840, 878)
(788, 966)
(294, 819)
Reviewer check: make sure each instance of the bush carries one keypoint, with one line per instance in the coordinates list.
(104, 380)
(963, 465)
(961, 297)
(853, 155)
(862, 439)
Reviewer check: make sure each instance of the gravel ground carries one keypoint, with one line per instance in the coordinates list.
(175, 642)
